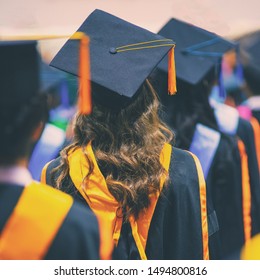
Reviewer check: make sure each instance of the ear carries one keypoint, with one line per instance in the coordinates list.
(37, 132)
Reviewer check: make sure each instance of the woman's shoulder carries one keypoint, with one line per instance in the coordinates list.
(182, 160)
(54, 163)
(49, 171)
(185, 168)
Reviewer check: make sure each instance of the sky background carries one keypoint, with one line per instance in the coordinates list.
(228, 18)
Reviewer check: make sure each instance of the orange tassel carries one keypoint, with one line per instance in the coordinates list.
(84, 102)
(246, 192)
(171, 73)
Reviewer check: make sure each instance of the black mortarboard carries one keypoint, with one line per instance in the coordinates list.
(122, 56)
(23, 73)
(50, 77)
(83, 63)
(19, 72)
(250, 44)
(197, 51)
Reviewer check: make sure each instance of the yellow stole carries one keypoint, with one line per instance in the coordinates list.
(105, 206)
(203, 208)
(251, 250)
(34, 223)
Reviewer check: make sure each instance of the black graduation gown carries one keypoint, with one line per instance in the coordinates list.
(224, 184)
(76, 239)
(256, 114)
(220, 159)
(175, 231)
(246, 134)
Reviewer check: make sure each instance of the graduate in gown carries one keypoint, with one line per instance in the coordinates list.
(250, 45)
(121, 163)
(36, 221)
(238, 121)
(189, 114)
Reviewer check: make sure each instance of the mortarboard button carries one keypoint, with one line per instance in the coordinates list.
(113, 50)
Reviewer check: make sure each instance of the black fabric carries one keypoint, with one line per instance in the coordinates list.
(19, 64)
(175, 230)
(256, 114)
(246, 133)
(9, 195)
(250, 45)
(78, 236)
(50, 77)
(67, 186)
(234, 256)
(126, 248)
(224, 184)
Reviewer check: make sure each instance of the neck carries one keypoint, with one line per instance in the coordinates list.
(22, 162)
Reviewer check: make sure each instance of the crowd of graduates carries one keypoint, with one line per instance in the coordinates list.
(130, 144)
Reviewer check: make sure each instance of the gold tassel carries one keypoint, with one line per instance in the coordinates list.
(84, 104)
(84, 100)
(172, 89)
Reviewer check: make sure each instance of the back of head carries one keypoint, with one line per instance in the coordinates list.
(22, 107)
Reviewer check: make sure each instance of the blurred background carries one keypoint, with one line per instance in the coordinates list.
(227, 18)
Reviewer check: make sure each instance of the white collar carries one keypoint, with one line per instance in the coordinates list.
(15, 175)
(253, 102)
(227, 118)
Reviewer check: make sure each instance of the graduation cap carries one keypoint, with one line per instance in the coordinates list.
(50, 77)
(26, 66)
(19, 71)
(250, 44)
(197, 51)
(122, 56)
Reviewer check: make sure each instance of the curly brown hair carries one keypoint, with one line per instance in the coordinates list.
(127, 146)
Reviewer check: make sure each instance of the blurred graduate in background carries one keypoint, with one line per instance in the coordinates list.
(250, 51)
(36, 221)
(197, 126)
